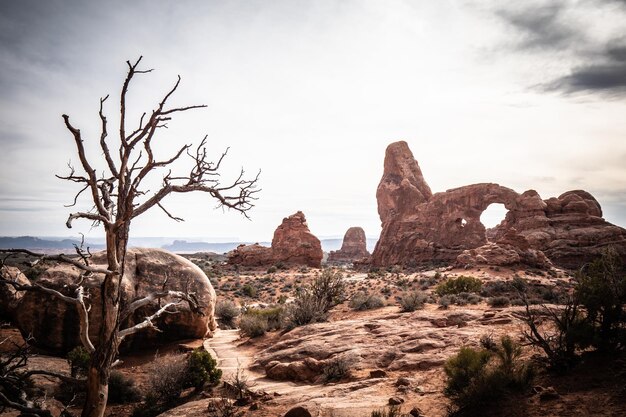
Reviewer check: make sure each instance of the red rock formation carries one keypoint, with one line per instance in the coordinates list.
(420, 227)
(353, 248)
(402, 186)
(293, 244)
(251, 255)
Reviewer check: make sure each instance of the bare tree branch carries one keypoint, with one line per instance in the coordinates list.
(60, 258)
(147, 323)
(103, 143)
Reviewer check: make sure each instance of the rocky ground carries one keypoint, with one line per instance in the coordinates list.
(392, 355)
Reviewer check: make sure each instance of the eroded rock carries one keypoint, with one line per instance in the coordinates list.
(293, 244)
(419, 226)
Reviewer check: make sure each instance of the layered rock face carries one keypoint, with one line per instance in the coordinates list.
(353, 247)
(293, 244)
(54, 325)
(421, 227)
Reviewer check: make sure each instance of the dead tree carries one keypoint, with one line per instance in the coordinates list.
(119, 196)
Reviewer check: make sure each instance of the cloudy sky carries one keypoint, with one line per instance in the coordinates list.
(311, 93)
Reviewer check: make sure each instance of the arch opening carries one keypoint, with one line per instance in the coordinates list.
(493, 215)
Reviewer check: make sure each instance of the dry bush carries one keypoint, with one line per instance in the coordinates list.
(365, 301)
(413, 301)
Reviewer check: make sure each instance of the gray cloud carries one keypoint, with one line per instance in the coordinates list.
(599, 67)
(540, 28)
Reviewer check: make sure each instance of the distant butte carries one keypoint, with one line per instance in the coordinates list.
(353, 247)
(419, 226)
(293, 244)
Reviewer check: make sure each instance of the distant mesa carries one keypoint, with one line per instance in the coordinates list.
(419, 227)
(293, 244)
(353, 248)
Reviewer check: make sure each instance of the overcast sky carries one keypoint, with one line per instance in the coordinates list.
(530, 96)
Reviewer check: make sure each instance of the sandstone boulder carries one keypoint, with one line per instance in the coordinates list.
(54, 324)
(9, 298)
(293, 244)
(353, 247)
(419, 226)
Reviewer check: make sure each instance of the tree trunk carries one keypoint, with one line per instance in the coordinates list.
(107, 344)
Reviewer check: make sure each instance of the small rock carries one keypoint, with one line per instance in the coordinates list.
(298, 412)
(254, 406)
(378, 373)
(548, 394)
(403, 381)
(395, 401)
(416, 412)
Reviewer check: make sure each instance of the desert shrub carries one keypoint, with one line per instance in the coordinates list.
(459, 285)
(307, 308)
(592, 317)
(201, 369)
(249, 291)
(474, 299)
(167, 378)
(122, 389)
(487, 342)
(224, 407)
(330, 287)
(499, 301)
(274, 316)
(272, 269)
(78, 359)
(226, 312)
(365, 301)
(445, 301)
(253, 325)
(337, 368)
(413, 301)
(476, 377)
(391, 411)
(601, 289)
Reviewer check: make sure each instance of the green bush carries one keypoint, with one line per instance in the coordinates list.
(78, 359)
(274, 316)
(475, 377)
(459, 285)
(253, 325)
(249, 291)
(122, 389)
(601, 289)
(413, 301)
(365, 301)
(226, 312)
(201, 369)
